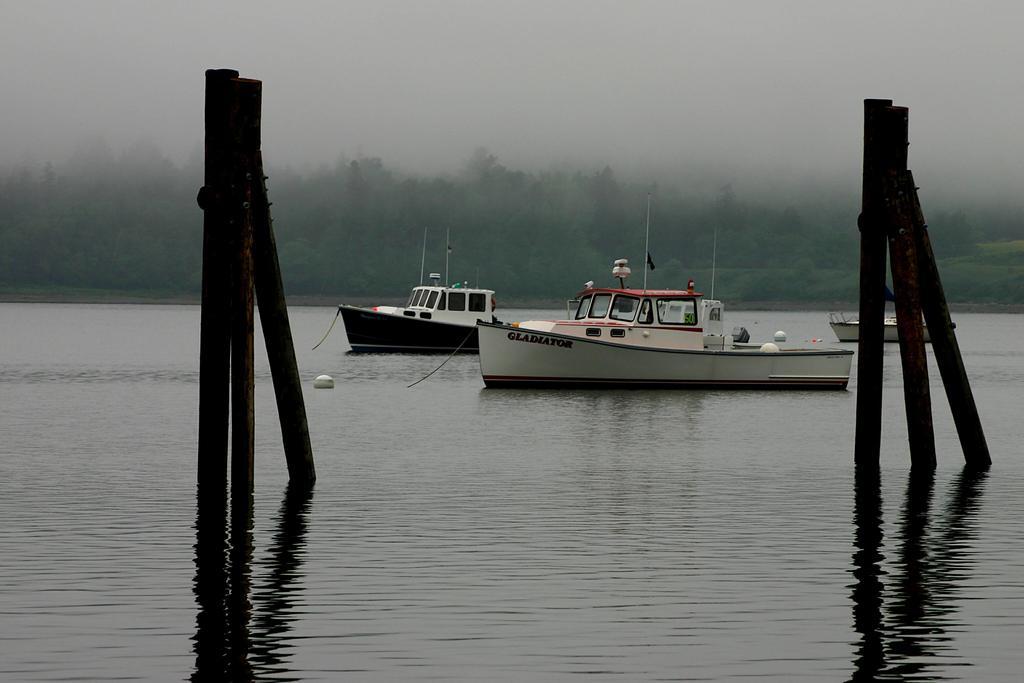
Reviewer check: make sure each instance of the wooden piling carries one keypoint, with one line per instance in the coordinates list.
(247, 94)
(903, 257)
(885, 150)
(239, 255)
(277, 334)
(215, 333)
(944, 344)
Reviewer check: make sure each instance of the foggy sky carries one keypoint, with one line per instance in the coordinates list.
(756, 87)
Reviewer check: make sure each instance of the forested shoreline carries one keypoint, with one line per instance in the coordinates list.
(128, 227)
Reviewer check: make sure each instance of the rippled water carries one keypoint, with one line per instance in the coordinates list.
(458, 533)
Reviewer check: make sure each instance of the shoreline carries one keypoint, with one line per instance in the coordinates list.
(117, 298)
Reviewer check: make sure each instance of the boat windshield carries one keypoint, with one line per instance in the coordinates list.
(581, 309)
(677, 312)
(624, 308)
(412, 296)
(600, 307)
(432, 299)
(419, 297)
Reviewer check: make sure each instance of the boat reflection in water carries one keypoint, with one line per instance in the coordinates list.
(902, 636)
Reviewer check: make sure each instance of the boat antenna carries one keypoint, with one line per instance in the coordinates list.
(447, 251)
(423, 257)
(714, 250)
(647, 240)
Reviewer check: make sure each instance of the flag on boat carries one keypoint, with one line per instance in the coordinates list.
(650, 261)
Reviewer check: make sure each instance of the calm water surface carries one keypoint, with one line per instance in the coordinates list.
(457, 533)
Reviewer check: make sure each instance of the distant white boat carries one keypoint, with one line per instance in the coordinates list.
(847, 328)
(619, 337)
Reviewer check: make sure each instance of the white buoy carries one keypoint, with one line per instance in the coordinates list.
(780, 336)
(768, 347)
(323, 382)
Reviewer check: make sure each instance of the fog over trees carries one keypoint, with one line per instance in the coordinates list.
(743, 119)
(127, 222)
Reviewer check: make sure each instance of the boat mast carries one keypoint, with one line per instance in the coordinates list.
(647, 240)
(714, 250)
(423, 257)
(447, 251)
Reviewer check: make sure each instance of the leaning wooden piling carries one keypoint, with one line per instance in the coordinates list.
(914, 359)
(291, 407)
(944, 344)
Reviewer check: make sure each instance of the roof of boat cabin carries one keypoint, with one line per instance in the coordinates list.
(452, 288)
(638, 292)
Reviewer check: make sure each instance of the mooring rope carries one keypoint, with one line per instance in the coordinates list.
(457, 348)
(328, 329)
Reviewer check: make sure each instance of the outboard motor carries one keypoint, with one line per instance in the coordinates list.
(740, 335)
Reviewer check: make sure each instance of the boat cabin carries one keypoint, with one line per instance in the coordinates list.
(453, 304)
(656, 318)
(614, 313)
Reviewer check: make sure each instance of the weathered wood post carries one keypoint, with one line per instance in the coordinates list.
(291, 407)
(899, 188)
(240, 257)
(891, 206)
(248, 95)
(885, 149)
(945, 346)
(215, 331)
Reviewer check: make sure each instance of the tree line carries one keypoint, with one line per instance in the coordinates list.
(130, 224)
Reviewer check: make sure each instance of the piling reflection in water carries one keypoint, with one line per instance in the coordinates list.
(276, 594)
(905, 640)
(230, 642)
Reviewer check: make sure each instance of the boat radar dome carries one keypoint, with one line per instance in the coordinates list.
(588, 284)
(436, 277)
(620, 270)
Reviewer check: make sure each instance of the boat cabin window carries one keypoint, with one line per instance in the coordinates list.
(442, 301)
(477, 301)
(581, 309)
(716, 314)
(599, 309)
(677, 312)
(412, 297)
(432, 299)
(646, 316)
(624, 308)
(456, 301)
(420, 296)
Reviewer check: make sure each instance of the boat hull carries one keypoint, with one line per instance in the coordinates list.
(373, 332)
(516, 357)
(850, 332)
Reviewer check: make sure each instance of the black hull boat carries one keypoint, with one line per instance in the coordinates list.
(437, 319)
(372, 331)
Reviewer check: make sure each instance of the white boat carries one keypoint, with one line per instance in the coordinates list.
(847, 328)
(648, 338)
(437, 319)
